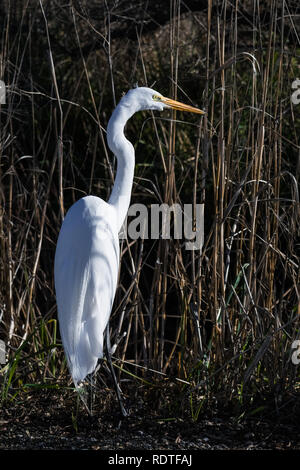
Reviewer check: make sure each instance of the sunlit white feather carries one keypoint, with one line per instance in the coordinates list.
(87, 253)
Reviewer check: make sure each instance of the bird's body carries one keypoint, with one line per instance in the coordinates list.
(87, 253)
(86, 274)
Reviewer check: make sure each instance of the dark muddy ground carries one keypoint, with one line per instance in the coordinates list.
(52, 420)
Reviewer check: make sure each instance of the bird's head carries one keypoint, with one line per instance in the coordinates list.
(142, 98)
(138, 99)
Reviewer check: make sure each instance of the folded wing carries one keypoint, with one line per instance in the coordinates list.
(86, 273)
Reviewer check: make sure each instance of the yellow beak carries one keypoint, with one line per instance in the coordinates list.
(180, 106)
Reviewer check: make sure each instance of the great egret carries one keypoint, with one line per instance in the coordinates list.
(87, 252)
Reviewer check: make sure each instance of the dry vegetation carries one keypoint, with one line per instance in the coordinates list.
(65, 64)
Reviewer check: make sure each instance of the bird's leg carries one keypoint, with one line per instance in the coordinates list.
(116, 385)
(118, 340)
(92, 388)
(83, 396)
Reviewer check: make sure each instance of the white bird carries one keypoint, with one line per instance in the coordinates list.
(87, 252)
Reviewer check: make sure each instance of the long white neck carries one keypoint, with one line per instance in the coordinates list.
(124, 151)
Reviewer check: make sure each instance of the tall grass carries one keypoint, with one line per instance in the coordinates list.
(222, 320)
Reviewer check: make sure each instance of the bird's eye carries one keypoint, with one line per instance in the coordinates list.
(156, 97)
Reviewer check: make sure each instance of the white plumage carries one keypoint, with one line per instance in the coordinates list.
(87, 253)
(86, 273)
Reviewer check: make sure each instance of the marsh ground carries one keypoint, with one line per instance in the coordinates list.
(51, 420)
